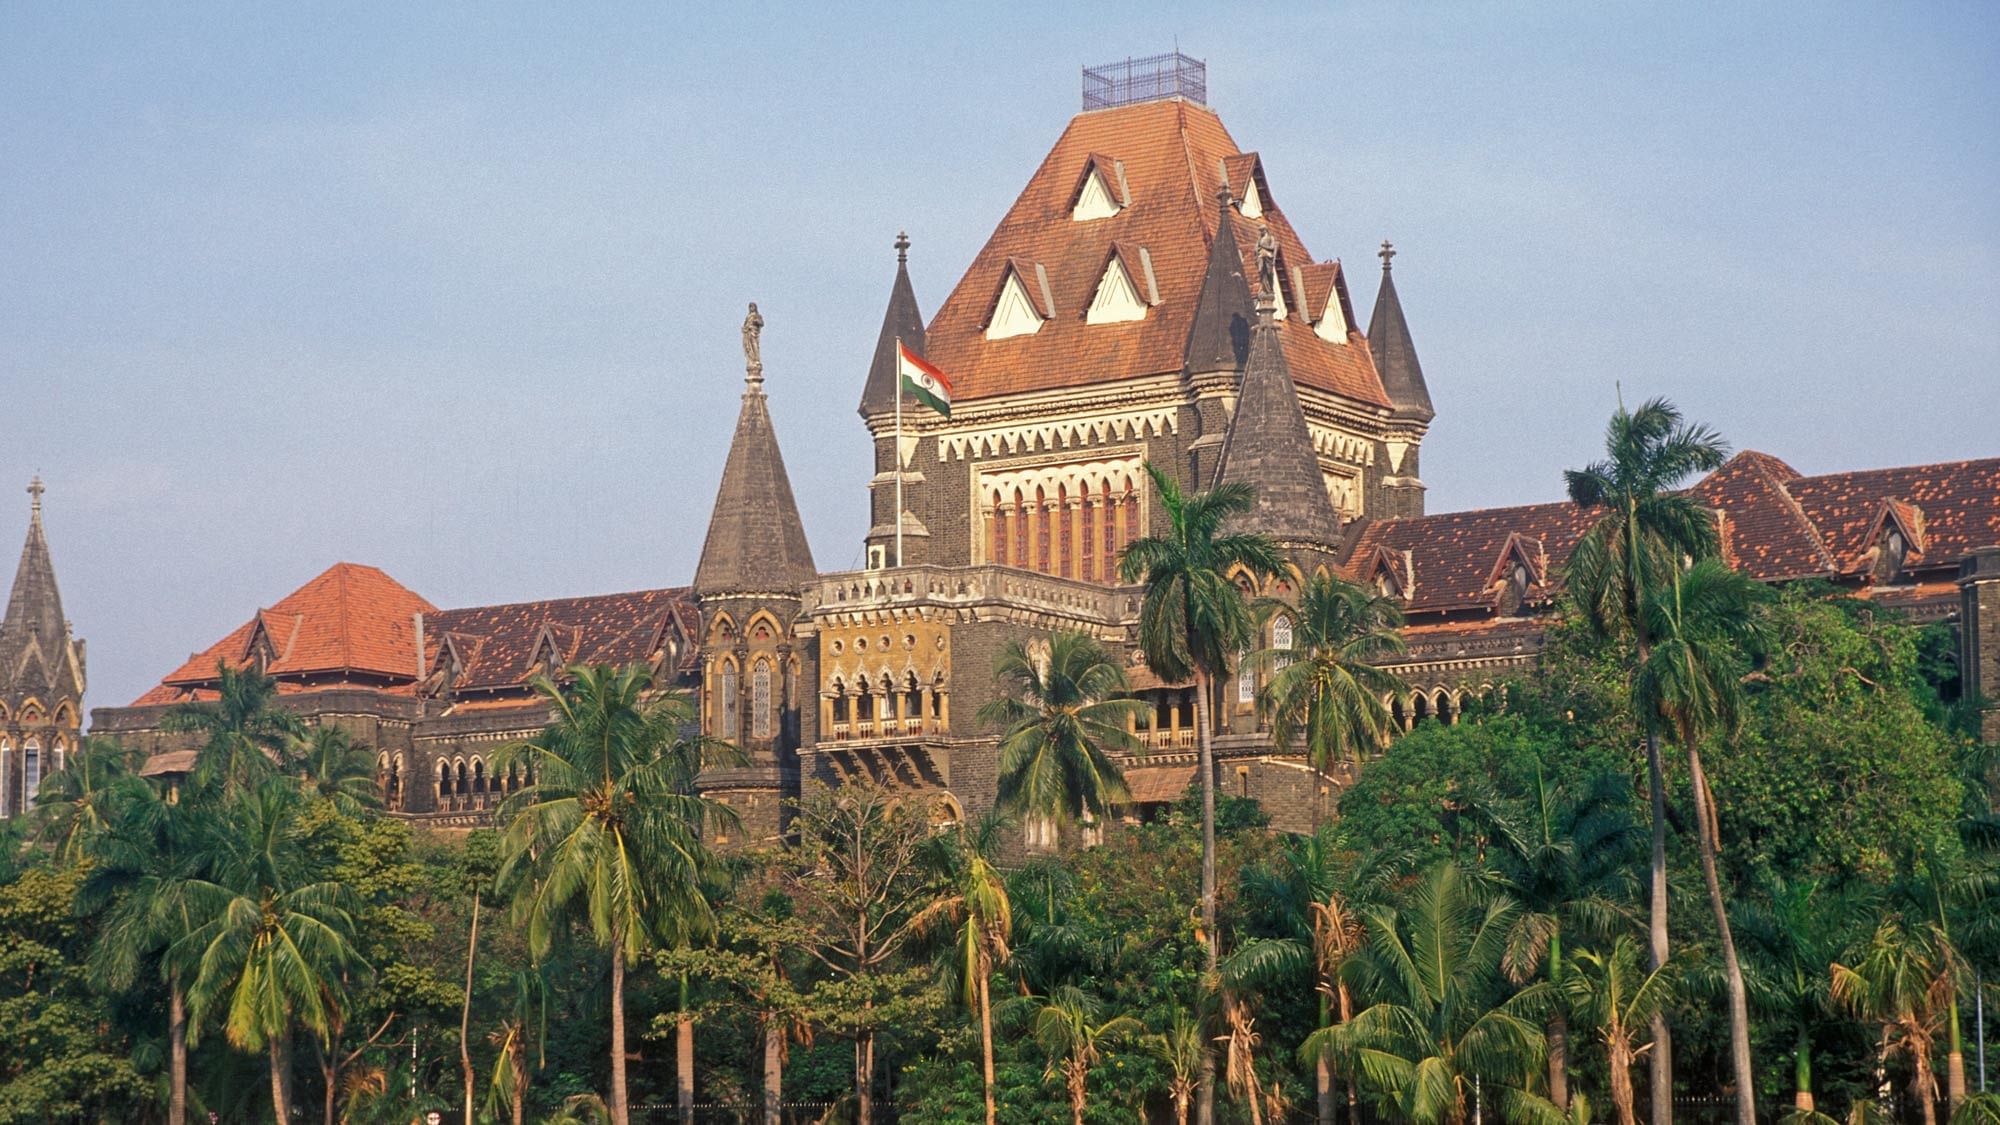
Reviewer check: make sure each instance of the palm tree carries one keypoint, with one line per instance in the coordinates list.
(1239, 1070)
(143, 867)
(509, 1086)
(1193, 617)
(272, 952)
(1060, 721)
(611, 827)
(244, 733)
(1073, 1032)
(974, 906)
(1614, 994)
(1799, 928)
(1954, 896)
(1328, 686)
(77, 803)
(1701, 622)
(1436, 1035)
(1646, 530)
(333, 768)
(1564, 862)
(1179, 1049)
(1902, 982)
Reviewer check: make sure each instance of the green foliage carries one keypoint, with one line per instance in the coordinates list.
(1059, 721)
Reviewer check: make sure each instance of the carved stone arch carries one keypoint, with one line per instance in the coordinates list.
(5, 715)
(31, 711)
(1420, 708)
(768, 620)
(66, 714)
(1398, 712)
(722, 625)
(1445, 707)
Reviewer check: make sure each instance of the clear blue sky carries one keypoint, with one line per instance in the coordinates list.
(454, 289)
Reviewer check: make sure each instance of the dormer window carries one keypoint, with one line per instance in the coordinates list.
(1126, 289)
(1252, 204)
(1023, 303)
(1101, 193)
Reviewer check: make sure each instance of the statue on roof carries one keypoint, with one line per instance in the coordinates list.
(1267, 263)
(753, 352)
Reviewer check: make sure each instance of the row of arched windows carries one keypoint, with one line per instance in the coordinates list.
(1072, 532)
(465, 783)
(764, 702)
(885, 707)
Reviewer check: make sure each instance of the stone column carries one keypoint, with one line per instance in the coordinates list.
(1979, 636)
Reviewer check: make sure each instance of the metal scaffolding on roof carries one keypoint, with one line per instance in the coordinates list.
(1172, 75)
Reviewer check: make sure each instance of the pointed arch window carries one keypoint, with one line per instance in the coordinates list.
(1281, 633)
(6, 779)
(729, 714)
(760, 700)
(31, 772)
(1246, 678)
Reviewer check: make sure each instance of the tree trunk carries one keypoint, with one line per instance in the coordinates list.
(465, 1011)
(1954, 1059)
(1204, 1112)
(1802, 1095)
(1559, 1060)
(1323, 1092)
(774, 1071)
(177, 1048)
(684, 1064)
(1924, 1085)
(1621, 1085)
(1077, 1092)
(332, 1088)
(864, 1078)
(1662, 1063)
(1739, 1006)
(519, 1061)
(986, 1040)
(620, 1112)
(280, 1096)
(1180, 1109)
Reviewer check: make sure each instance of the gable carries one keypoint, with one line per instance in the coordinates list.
(1015, 311)
(1117, 297)
(1097, 197)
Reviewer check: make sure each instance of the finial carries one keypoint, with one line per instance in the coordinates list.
(753, 350)
(1224, 196)
(35, 490)
(902, 247)
(1385, 253)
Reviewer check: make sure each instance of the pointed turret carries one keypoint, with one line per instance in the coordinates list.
(1270, 447)
(755, 543)
(34, 608)
(1395, 355)
(1220, 338)
(904, 321)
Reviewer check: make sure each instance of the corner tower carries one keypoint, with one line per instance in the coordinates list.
(1403, 380)
(755, 565)
(41, 673)
(903, 321)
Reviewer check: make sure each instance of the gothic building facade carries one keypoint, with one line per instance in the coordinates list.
(41, 673)
(1145, 301)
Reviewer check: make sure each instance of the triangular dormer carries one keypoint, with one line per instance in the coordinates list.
(1244, 173)
(554, 647)
(1894, 541)
(1023, 302)
(1101, 191)
(1518, 570)
(1126, 289)
(1322, 297)
(1392, 574)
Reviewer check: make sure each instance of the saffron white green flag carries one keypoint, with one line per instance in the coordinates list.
(926, 383)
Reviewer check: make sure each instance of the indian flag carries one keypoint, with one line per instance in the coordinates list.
(927, 383)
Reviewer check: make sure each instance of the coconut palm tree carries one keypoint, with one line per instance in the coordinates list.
(1798, 928)
(1702, 623)
(1179, 1049)
(272, 951)
(1954, 895)
(245, 735)
(1615, 994)
(611, 828)
(1645, 529)
(1328, 685)
(1073, 1031)
(1192, 619)
(1564, 860)
(975, 910)
(1060, 720)
(1902, 982)
(330, 766)
(142, 867)
(1437, 1035)
(77, 803)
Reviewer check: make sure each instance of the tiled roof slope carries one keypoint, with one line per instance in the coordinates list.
(1959, 501)
(1172, 152)
(499, 642)
(349, 619)
(1764, 532)
(1452, 557)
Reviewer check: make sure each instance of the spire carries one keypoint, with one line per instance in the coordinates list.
(1395, 355)
(34, 607)
(904, 320)
(755, 544)
(1220, 338)
(1270, 447)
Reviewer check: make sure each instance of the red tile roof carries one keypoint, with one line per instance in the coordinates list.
(1453, 557)
(499, 643)
(1172, 153)
(1959, 503)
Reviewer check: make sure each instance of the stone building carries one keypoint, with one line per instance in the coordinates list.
(1146, 300)
(41, 673)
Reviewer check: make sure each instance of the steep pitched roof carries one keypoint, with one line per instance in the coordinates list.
(1765, 532)
(1220, 337)
(1452, 557)
(1172, 153)
(1269, 447)
(1395, 354)
(1959, 503)
(902, 320)
(348, 619)
(498, 643)
(755, 543)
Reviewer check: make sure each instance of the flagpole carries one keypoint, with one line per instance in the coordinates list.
(899, 452)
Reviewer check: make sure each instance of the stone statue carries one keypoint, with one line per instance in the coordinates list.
(753, 353)
(1267, 261)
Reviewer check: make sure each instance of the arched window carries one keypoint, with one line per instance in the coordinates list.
(463, 788)
(760, 700)
(31, 772)
(444, 780)
(1281, 633)
(479, 777)
(1246, 679)
(913, 698)
(729, 725)
(6, 773)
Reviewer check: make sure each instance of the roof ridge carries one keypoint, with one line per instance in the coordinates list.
(1798, 512)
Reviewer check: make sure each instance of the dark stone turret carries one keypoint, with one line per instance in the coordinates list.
(902, 320)
(41, 673)
(756, 543)
(1395, 355)
(1270, 448)
(1220, 338)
